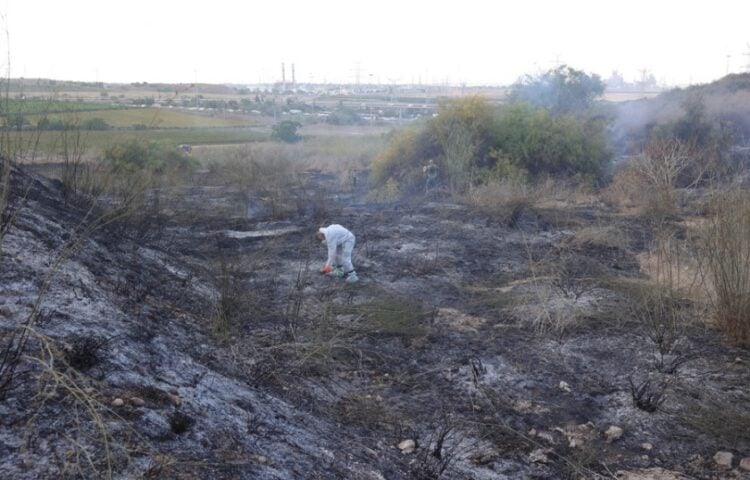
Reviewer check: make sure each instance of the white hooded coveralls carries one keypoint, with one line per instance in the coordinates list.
(340, 243)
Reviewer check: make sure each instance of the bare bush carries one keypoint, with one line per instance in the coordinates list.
(724, 256)
(505, 200)
(445, 444)
(665, 306)
(663, 321)
(76, 175)
(646, 395)
(5, 216)
(663, 164)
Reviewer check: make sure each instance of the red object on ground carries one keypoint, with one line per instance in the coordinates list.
(327, 269)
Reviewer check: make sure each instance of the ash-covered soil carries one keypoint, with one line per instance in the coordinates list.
(478, 344)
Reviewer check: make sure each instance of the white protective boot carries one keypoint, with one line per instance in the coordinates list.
(351, 277)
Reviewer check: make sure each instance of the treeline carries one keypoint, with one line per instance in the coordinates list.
(546, 127)
(553, 125)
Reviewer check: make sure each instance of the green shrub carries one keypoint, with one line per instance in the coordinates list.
(151, 156)
(542, 144)
(473, 143)
(344, 116)
(560, 90)
(402, 159)
(96, 123)
(286, 131)
(458, 139)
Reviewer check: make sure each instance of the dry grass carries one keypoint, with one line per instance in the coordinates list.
(337, 155)
(501, 193)
(363, 410)
(671, 264)
(95, 449)
(504, 200)
(724, 260)
(391, 316)
(509, 198)
(606, 236)
(717, 418)
(5, 216)
(627, 190)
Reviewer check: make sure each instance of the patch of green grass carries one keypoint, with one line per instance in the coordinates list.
(36, 106)
(363, 411)
(391, 316)
(96, 141)
(149, 117)
(718, 419)
(491, 298)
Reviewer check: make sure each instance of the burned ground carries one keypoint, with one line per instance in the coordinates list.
(503, 343)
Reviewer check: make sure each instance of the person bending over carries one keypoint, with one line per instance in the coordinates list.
(340, 243)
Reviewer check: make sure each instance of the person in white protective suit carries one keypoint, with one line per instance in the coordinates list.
(340, 242)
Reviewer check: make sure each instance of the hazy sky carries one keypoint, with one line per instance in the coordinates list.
(471, 41)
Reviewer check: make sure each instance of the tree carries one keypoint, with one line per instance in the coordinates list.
(543, 144)
(134, 156)
(96, 123)
(463, 129)
(662, 163)
(709, 139)
(17, 121)
(560, 90)
(286, 131)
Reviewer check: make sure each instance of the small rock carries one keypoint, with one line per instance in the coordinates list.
(532, 432)
(546, 436)
(523, 406)
(538, 456)
(723, 460)
(137, 401)
(586, 427)
(370, 452)
(174, 399)
(738, 360)
(407, 446)
(564, 387)
(118, 402)
(647, 446)
(260, 458)
(482, 457)
(745, 464)
(613, 433)
(574, 443)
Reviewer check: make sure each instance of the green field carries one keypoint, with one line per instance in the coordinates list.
(43, 144)
(39, 106)
(152, 117)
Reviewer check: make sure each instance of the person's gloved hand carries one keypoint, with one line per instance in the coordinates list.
(326, 269)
